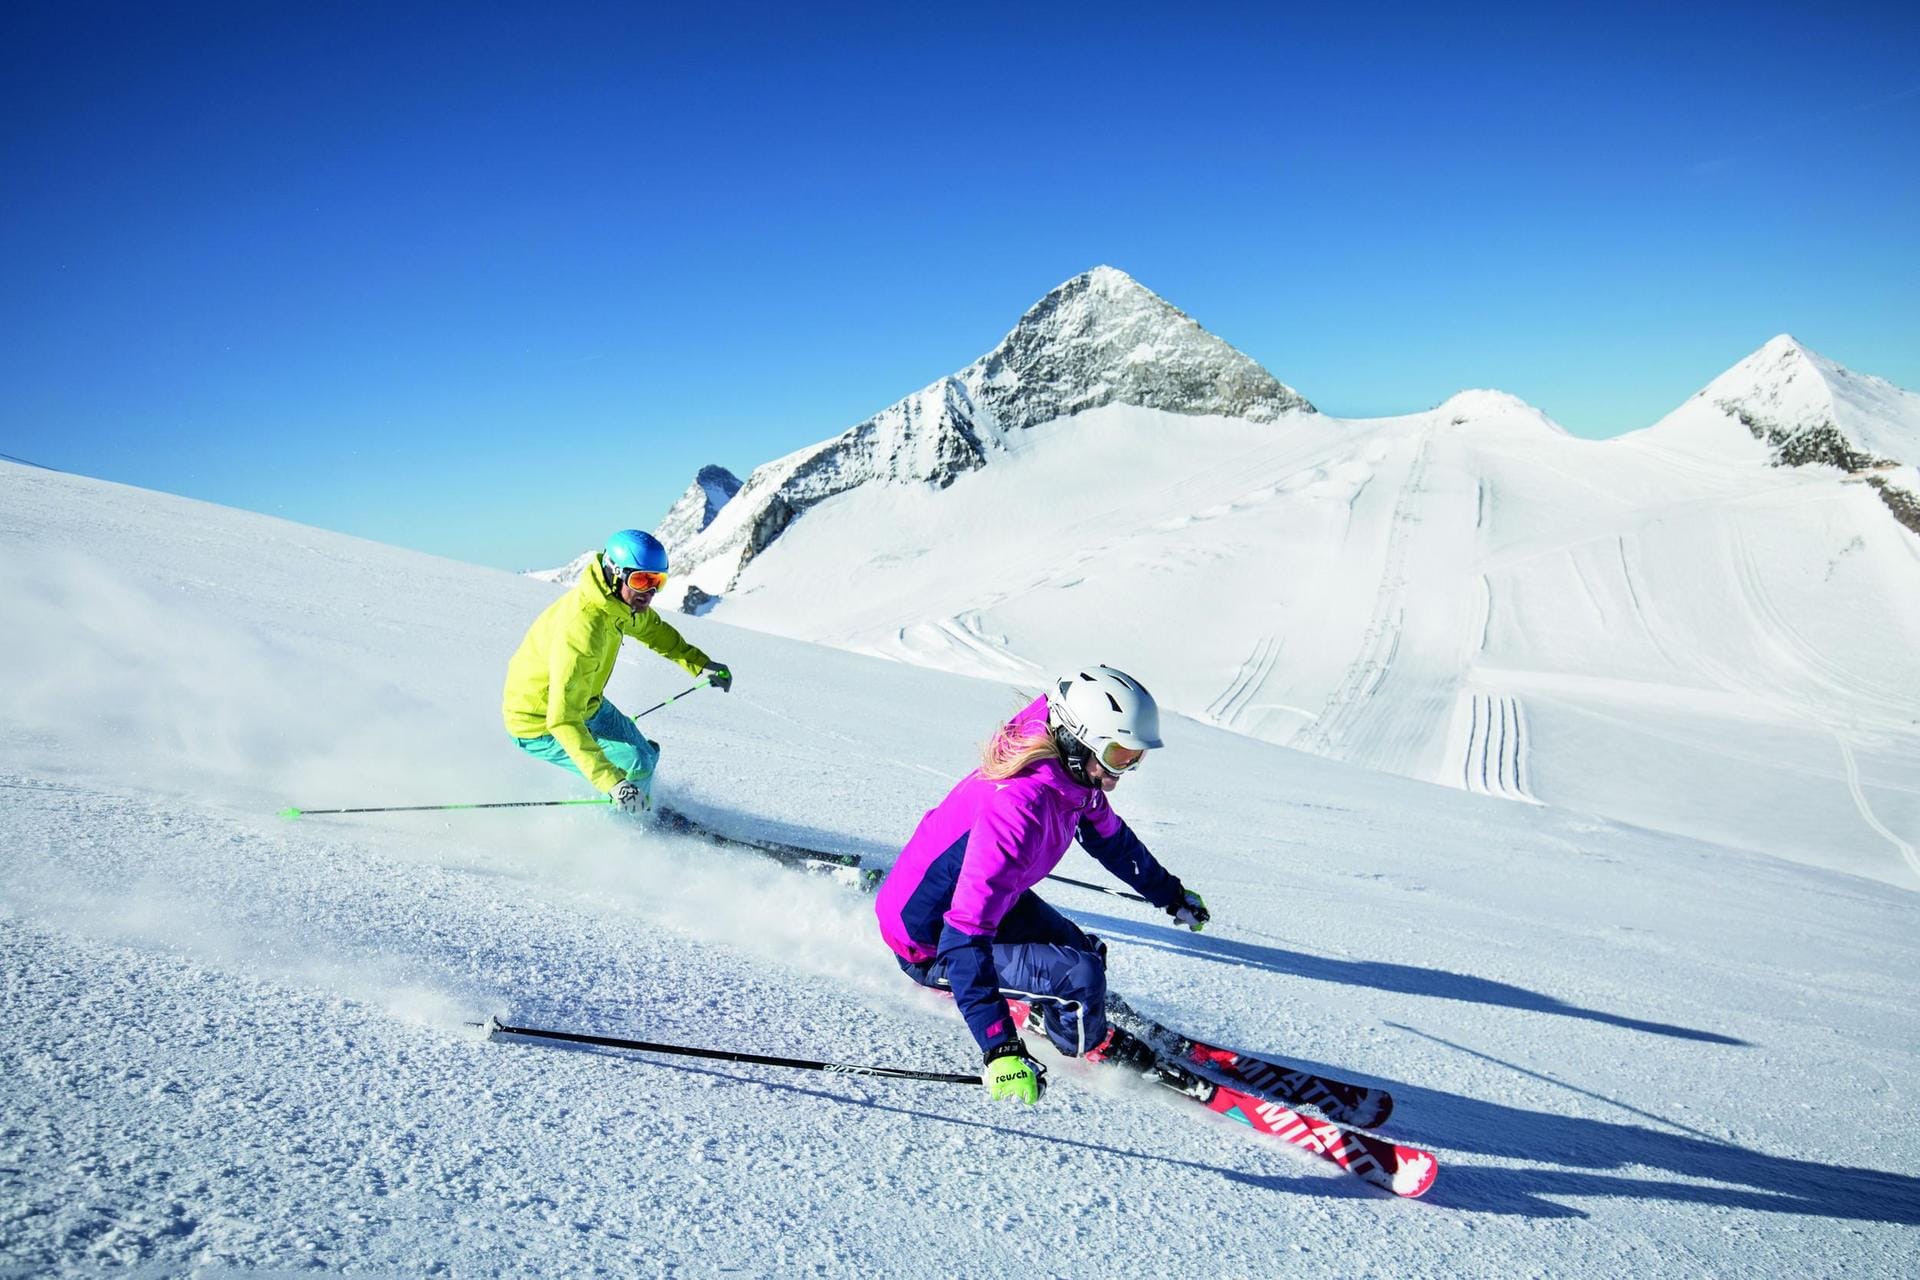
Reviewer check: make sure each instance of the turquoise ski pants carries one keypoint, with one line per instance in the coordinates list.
(627, 748)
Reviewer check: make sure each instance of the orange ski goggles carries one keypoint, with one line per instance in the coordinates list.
(645, 580)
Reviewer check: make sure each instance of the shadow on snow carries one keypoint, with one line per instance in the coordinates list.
(1381, 975)
(1722, 1174)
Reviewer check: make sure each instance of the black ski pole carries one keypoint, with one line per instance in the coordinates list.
(495, 1027)
(699, 684)
(1099, 888)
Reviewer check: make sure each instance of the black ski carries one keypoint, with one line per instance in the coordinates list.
(843, 867)
(1361, 1106)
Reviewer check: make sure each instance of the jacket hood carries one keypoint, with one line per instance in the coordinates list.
(594, 578)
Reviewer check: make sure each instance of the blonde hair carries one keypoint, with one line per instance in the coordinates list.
(1009, 752)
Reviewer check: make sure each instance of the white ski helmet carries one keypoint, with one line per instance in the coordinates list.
(1104, 714)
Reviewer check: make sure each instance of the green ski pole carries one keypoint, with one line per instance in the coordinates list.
(438, 808)
(504, 804)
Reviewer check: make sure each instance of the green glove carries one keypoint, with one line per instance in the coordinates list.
(1010, 1073)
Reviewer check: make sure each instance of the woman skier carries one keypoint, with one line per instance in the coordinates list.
(958, 908)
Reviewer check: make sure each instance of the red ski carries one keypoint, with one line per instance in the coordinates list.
(1405, 1171)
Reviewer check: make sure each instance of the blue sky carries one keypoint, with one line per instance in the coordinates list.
(493, 280)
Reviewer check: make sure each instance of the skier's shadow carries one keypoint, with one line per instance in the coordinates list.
(1586, 1149)
(1378, 974)
(1000, 1134)
(1572, 1156)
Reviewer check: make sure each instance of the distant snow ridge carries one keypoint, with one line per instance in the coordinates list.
(1809, 410)
(1101, 338)
(567, 572)
(1480, 404)
(930, 437)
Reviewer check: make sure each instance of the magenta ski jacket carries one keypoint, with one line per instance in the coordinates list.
(980, 849)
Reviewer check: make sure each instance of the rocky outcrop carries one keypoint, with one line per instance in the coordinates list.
(1803, 444)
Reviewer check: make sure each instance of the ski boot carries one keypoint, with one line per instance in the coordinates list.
(1130, 1053)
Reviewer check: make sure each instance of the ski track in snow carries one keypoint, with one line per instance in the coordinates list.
(1252, 674)
(1832, 686)
(1338, 730)
(1495, 755)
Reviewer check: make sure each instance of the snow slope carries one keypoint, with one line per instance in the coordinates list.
(1468, 596)
(237, 1043)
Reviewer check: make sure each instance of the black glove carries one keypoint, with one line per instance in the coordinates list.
(1190, 911)
(629, 797)
(719, 677)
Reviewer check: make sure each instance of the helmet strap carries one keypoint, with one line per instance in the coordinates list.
(1074, 753)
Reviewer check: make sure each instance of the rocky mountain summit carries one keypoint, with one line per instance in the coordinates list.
(695, 509)
(1103, 338)
(1099, 339)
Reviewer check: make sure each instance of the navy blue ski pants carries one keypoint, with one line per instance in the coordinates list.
(1049, 961)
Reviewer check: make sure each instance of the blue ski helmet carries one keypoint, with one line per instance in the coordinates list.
(632, 549)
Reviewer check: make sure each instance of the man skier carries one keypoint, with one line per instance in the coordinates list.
(555, 704)
(958, 908)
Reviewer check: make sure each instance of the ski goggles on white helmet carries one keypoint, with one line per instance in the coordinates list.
(1117, 759)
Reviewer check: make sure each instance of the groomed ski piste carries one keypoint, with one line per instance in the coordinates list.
(1467, 596)
(238, 1043)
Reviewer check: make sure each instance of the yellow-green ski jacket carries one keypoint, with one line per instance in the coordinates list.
(558, 675)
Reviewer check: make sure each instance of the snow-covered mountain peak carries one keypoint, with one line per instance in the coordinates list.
(1782, 379)
(1099, 339)
(1104, 338)
(1112, 281)
(1797, 408)
(1483, 404)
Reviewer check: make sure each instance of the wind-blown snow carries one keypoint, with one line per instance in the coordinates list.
(237, 1042)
